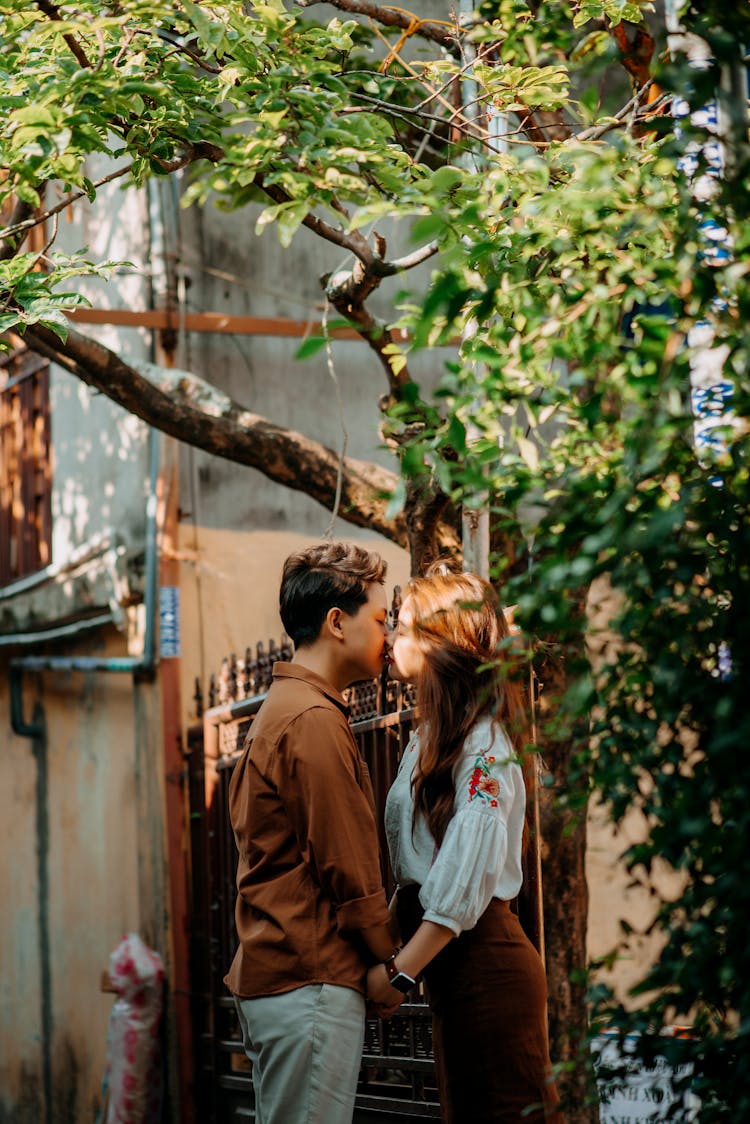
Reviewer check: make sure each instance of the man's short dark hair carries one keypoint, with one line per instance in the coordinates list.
(319, 578)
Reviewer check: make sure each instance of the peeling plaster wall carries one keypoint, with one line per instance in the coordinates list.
(20, 1061)
(100, 456)
(105, 868)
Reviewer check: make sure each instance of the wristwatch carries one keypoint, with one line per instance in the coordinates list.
(400, 980)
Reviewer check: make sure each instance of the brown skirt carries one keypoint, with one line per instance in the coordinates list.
(488, 996)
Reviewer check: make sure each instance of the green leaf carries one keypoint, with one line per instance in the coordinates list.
(27, 194)
(289, 219)
(57, 323)
(529, 452)
(8, 320)
(311, 346)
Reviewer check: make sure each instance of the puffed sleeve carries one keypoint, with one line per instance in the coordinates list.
(471, 863)
(330, 809)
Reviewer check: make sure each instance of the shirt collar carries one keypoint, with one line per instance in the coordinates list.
(299, 672)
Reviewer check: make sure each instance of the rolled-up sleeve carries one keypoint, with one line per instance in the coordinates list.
(321, 784)
(362, 913)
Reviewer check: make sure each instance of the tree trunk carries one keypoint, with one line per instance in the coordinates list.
(565, 894)
(431, 526)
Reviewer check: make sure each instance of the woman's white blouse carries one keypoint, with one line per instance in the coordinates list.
(480, 857)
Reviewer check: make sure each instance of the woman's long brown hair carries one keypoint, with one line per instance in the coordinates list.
(467, 673)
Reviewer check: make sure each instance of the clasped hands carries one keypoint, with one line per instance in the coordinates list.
(384, 998)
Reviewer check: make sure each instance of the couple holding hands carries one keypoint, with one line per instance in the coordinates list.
(316, 935)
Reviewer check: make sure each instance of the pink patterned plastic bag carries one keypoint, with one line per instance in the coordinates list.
(134, 1065)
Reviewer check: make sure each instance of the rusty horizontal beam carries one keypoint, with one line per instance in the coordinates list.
(163, 319)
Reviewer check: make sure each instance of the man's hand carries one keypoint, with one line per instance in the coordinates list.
(386, 999)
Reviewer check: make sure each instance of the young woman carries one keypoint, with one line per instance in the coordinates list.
(455, 825)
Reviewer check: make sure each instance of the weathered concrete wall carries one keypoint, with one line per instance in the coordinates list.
(84, 812)
(96, 442)
(84, 865)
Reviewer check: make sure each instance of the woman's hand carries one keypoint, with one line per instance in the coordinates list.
(386, 998)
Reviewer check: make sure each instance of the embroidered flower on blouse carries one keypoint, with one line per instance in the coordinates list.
(482, 785)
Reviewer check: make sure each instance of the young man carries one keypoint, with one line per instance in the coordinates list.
(311, 910)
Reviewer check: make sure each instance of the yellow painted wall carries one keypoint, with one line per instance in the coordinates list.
(614, 895)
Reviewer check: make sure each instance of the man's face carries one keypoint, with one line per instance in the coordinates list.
(365, 635)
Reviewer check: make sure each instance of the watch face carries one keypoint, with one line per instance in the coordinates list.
(402, 982)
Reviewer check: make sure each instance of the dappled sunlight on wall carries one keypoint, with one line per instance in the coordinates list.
(99, 476)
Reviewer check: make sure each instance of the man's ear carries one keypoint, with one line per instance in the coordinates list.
(332, 623)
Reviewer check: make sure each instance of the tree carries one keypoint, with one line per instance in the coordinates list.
(491, 143)
(260, 107)
(611, 295)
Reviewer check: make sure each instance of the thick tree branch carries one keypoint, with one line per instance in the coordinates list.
(184, 406)
(417, 257)
(394, 17)
(429, 538)
(347, 292)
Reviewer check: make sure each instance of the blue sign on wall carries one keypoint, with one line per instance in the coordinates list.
(169, 621)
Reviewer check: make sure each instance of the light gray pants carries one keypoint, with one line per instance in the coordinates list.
(306, 1050)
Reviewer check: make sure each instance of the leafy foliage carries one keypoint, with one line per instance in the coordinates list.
(584, 272)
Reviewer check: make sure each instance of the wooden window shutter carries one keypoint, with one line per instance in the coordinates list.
(25, 463)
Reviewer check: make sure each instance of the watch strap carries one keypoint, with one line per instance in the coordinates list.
(390, 966)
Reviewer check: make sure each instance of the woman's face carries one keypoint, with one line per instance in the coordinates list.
(407, 656)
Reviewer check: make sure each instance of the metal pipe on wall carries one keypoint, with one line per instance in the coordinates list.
(36, 731)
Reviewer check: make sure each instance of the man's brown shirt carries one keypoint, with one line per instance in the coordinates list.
(303, 815)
